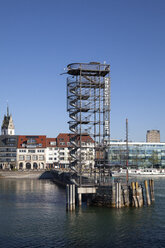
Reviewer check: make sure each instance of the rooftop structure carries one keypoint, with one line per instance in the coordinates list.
(32, 141)
(153, 136)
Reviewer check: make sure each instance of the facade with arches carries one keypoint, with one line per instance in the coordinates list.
(31, 152)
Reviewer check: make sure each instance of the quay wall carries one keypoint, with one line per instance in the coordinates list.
(42, 174)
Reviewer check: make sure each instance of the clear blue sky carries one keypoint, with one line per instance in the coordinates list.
(38, 38)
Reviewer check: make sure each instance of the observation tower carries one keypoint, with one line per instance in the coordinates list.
(88, 104)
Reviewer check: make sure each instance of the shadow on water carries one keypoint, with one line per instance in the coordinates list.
(46, 175)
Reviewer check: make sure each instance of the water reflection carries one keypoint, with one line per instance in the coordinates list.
(33, 214)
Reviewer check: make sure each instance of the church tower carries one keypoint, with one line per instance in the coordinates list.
(7, 125)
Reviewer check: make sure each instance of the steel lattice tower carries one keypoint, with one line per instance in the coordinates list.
(88, 104)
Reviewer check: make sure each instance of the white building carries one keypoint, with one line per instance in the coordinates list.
(31, 152)
(58, 151)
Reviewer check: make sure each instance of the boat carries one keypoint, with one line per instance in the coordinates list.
(139, 172)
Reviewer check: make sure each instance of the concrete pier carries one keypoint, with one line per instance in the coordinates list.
(79, 199)
(116, 195)
(113, 196)
(70, 197)
(73, 197)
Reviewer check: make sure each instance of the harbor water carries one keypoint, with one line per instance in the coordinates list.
(33, 214)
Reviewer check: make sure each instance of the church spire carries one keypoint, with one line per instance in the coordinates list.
(7, 110)
(7, 127)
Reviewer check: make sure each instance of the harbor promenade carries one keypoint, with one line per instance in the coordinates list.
(21, 174)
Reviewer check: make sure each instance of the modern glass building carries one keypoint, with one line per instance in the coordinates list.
(139, 154)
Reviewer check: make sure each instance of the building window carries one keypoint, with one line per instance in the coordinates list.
(22, 150)
(28, 157)
(31, 141)
(11, 140)
(21, 157)
(53, 143)
(62, 143)
(31, 151)
(41, 157)
(35, 157)
(62, 153)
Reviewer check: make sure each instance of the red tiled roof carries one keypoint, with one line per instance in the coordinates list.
(49, 140)
(63, 139)
(26, 141)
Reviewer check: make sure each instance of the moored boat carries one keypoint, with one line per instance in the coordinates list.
(139, 172)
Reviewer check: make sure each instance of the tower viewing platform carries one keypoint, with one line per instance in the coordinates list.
(92, 69)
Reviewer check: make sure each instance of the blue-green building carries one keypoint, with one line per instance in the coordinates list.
(140, 154)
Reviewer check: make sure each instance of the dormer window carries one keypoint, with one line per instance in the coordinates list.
(31, 141)
(53, 143)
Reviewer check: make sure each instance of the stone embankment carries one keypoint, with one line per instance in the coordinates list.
(58, 176)
(25, 174)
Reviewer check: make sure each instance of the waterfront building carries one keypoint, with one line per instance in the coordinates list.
(141, 154)
(8, 143)
(56, 156)
(40, 152)
(31, 152)
(51, 153)
(28, 152)
(8, 151)
(58, 151)
(153, 136)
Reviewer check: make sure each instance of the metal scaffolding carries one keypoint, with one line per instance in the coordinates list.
(88, 104)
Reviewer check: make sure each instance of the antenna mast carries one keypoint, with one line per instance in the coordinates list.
(127, 150)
